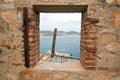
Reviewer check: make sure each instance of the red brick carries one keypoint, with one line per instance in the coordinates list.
(31, 27)
(17, 64)
(32, 54)
(19, 8)
(32, 19)
(38, 55)
(31, 41)
(103, 68)
(88, 56)
(89, 38)
(89, 14)
(88, 33)
(90, 48)
(32, 64)
(83, 49)
(82, 62)
(32, 33)
(90, 68)
(90, 63)
(114, 69)
(32, 59)
(31, 13)
(32, 45)
(92, 20)
(89, 27)
(32, 36)
(89, 42)
(32, 30)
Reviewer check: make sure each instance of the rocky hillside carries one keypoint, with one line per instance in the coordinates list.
(59, 33)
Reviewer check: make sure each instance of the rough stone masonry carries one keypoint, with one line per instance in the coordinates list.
(100, 44)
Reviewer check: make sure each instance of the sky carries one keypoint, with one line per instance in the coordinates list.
(62, 21)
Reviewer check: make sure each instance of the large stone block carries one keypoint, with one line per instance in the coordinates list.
(4, 58)
(110, 1)
(3, 26)
(13, 27)
(17, 41)
(11, 75)
(10, 16)
(16, 57)
(2, 77)
(89, 27)
(118, 1)
(9, 1)
(42, 76)
(108, 60)
(2, 2)
(26, 75)
(4, 65)
(99, 76)
(70, 76)
(60, 76)
(115, 19)
(107, 38)
(114, 47)
(7, 6)
(107, 30)
(103, 61)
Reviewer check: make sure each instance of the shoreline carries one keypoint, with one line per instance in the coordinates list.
(60, 35)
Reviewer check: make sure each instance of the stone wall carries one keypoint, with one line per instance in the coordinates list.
(104, 49)
(12, 47)
(64, 75)
(11, 39)
(100, 47)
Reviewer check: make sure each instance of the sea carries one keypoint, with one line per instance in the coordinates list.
(64, 44)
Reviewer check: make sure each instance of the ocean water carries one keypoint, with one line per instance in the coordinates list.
(64, 44)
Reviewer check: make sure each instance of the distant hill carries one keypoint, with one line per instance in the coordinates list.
(46, 32)
(72, 32)
(59, 33)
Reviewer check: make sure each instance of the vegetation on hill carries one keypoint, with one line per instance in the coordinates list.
(59, 33)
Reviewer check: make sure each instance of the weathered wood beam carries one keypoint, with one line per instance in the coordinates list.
(26, 38)
(53, 43)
